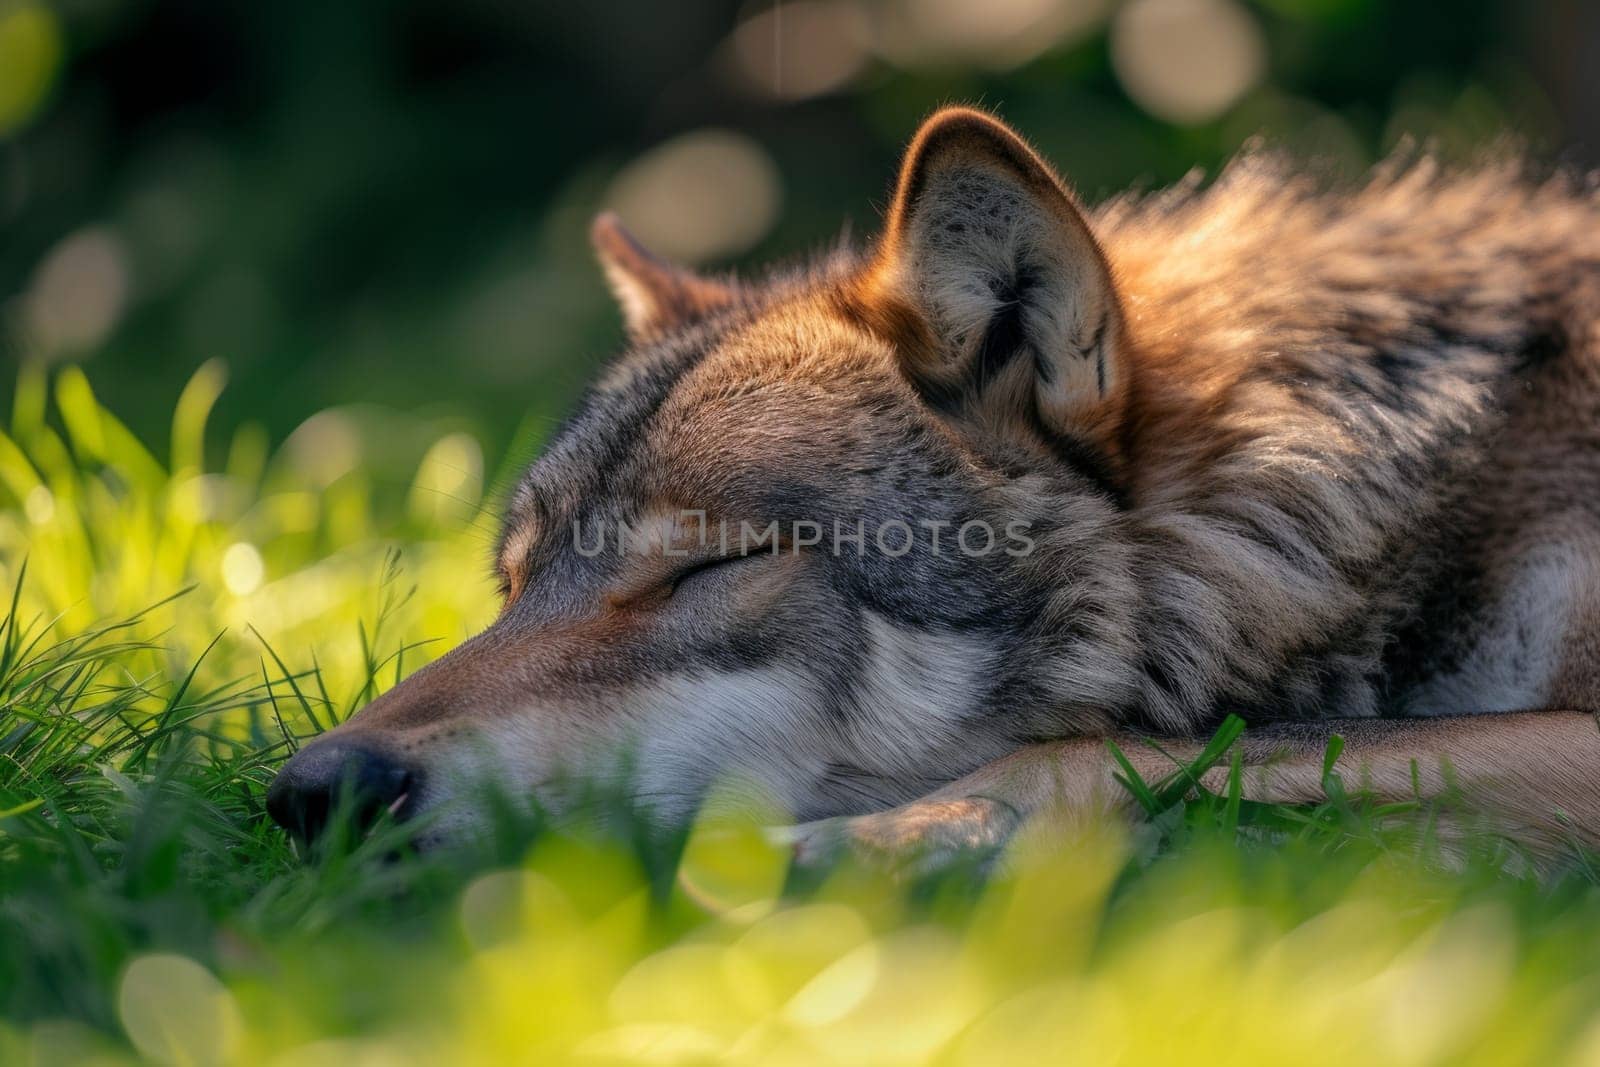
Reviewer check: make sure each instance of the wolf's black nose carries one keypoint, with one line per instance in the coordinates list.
(355, 776)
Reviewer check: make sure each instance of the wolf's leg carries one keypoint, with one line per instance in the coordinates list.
(1534, 776)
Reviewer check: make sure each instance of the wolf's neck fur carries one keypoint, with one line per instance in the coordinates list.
(1319, 379)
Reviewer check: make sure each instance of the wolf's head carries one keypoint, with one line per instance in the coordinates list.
(848, 532)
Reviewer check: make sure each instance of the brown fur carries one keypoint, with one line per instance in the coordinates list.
(1284, 450)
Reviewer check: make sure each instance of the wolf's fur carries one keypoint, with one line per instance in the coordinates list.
(1293, 452)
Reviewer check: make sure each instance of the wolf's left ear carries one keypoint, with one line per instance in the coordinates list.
(987, 277)
(656, 296)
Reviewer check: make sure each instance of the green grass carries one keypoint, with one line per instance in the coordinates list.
(176, 627)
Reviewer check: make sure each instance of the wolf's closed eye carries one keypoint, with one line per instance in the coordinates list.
(701, 571)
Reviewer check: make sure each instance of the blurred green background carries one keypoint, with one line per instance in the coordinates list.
(383, 205)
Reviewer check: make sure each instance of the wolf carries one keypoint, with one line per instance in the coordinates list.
(905, 534)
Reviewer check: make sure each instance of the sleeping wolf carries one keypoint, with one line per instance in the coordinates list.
(905, 535)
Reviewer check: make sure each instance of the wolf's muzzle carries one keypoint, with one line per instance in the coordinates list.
(358, 777)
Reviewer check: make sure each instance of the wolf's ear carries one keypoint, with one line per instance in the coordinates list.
(989, 281)
(656, 296)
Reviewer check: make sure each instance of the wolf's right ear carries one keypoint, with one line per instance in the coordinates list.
(656, 296)
(987, 279)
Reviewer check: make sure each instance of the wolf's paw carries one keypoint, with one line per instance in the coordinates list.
(919, 838)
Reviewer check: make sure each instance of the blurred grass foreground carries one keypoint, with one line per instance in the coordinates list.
(179, 625)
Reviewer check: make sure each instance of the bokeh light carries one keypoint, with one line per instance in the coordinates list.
(449, 481)
(325, 447)
(176, 1012)
(701, 196)
(1000, 34)
(78, 293)
(1186, 60)
(794, 51)
(39, 505)
(30, 57)
(242, 568)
